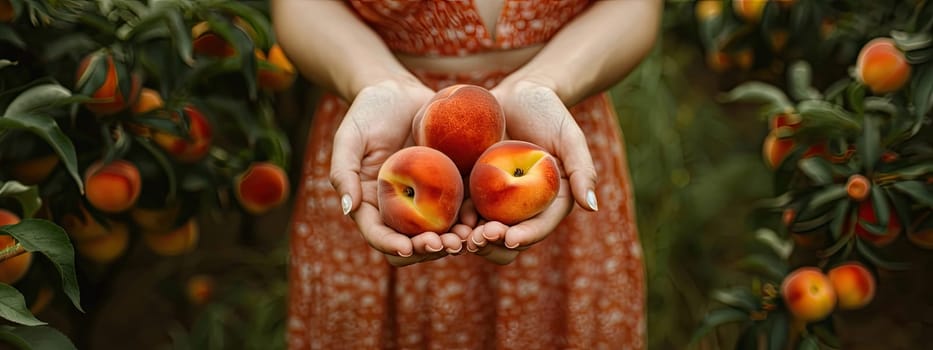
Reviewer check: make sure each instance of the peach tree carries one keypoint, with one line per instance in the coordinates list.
(845, 88)
(122, 121)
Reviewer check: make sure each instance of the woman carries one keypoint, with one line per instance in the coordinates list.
(571, 277)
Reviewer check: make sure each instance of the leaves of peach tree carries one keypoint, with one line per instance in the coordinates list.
(13, 307)
(47, 238)
(36, 337)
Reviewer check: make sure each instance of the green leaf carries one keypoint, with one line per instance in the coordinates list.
(869, 145)
(181, 35)
(779, 331)
(913, 171)
(808, 342)
(7, 34)
(856, 94)
(881, 105)
(800, 85)
(781, 247)
(28, 196)
(95, 74)
(916, 190)
(37, 235)
(151, 21)
(817, 169)
(839, 219)
(921, 87)
(718, 318)
(57, 50)
(769, 266)
(45, 127)
(256, 19)
(35, 337)
(738, 297)
(38, 97)
(825, 113)
(911, 41)
(6, 63)
(827, 195)
(13, 307)
(882, 209)
(755, 91)
(868, 252)
(835, 90)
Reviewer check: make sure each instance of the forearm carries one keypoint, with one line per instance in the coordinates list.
(332, 48)
(595, 50)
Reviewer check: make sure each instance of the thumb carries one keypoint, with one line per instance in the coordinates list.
(345, 165)
(578, 164)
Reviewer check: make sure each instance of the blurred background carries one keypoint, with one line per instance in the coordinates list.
(696, 160)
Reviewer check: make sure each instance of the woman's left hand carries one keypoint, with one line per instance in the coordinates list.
(535, 113)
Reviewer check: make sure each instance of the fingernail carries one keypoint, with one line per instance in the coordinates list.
(591, 200)
(432, 249)
(472, 249)
(511, 246)
(473, 238)
(455, 251)
(404, 255)
(346, 202)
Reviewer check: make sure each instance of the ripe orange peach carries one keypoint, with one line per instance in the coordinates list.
(200, 289)
(106, 248)
(155, 219)
(808, 294)
(181, 240)
(707, 9)
(112, 187)
(34, 171)
(744, 58)
(718, 61)
(281, 75)
(419, 190)
(261, 187)
(513, 181)
(791, 120)
(854, 285)
(461, 121)
(206, 42)
(198, 143)
(858, 187)
(42, 301)
(108, 97)
(882, 66)
(749, 10)
(866, 212)
(775, 149)
(13, 269)
(148, 100)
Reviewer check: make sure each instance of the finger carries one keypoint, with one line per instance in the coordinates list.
(426, 243)
(494, 231)
(399, 261)
(452, 243)
(498, 254)
(468, 215)
(379, 236)
(462, 231)
(476, 239)
(346, 160)
(533, 230)
(578, 164)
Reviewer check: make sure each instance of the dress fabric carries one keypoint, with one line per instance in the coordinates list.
(580, 288)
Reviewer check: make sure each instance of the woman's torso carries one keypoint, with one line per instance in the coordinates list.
(477, 36)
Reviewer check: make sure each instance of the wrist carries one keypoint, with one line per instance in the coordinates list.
(365, 79)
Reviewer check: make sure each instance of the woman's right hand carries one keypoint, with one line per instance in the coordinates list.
(377, 124)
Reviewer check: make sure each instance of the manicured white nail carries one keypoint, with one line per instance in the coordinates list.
(404, 255)
(346, 203)
(591, 200)
(511, 246)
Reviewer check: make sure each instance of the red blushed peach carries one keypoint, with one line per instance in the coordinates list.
(882, 66)
(13, 269)
(112, 187)
(419, 190)
(106, 248)
(281, 75)
(261, 187)
(198, 143)
(718, 61)
(791, 120)
(108, 97)
(808, 294)
(775, 148)
(200, 289)
(513, 181)
(461, 121)
(176, 242)
(854, 285)
(866, 213)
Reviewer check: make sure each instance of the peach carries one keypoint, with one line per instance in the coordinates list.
(718, 61)
(206, 42)
(106, 248)
(35, 170)
(791, 120)
(707, 9)
(200, 289)
(149, 100)
(12, 269)
(749, 10)
(744, 58)
(808, 294)
(279, 75)
(778, 40)
(193, 148)
(866, 212)
(83, 228)
(112, 187)
(108, 97)
(42, 301)
(775, 149)
(461, 121)
(882, 67)
(155, 219)
(858, 187)
(854, 285)
(419, 190)
(176, 242)
(513, 181)
(261, 187)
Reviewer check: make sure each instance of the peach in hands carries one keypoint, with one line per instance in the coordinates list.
(419, 190)
(854, 285)
(461, 121)
(808, 294)
(513, 181)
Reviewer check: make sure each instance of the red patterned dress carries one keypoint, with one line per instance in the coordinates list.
(581, 288)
